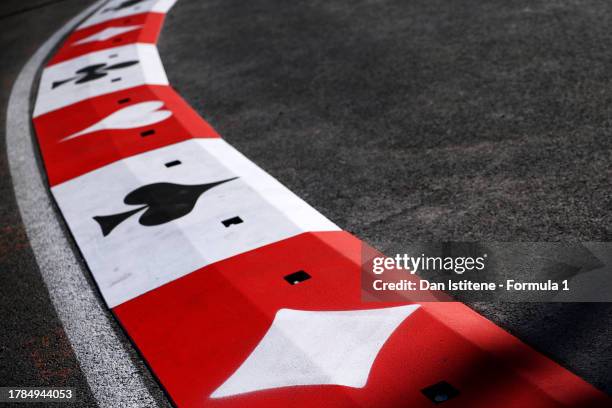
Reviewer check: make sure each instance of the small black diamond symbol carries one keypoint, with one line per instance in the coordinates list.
(297, 277)
(440, 392)
(232, 221)
(173, 163)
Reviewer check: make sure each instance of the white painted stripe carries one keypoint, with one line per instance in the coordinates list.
(134, 257)
(124, 8)
(113, 379)
(60, 87)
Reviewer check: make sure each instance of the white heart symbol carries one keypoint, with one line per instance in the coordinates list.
(134, 116)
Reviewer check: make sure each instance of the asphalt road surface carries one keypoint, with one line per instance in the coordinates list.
(401, 121)
(34, 350)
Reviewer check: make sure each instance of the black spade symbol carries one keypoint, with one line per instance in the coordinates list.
(162, 202)
(92, 72)
(122, 5)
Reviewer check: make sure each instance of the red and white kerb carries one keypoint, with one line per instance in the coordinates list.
(236, 292)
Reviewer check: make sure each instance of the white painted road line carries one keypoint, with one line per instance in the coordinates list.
(112, 377)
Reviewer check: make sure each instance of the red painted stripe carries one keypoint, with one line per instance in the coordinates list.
(151, 27)
(508, 351)
(71, 158)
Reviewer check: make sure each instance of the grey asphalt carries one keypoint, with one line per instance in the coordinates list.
(34, 350)
(424, 121)
(400, 121)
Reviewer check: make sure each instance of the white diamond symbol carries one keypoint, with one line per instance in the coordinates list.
(316, 347)
(107, 33)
